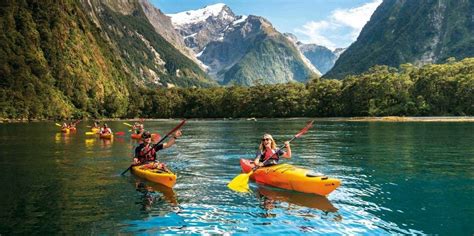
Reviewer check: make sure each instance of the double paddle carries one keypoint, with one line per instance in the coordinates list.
(241, 182)
(161, 140)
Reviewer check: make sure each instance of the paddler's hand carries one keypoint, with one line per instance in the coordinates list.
(177, 134)
(287, 144)
(135, 161)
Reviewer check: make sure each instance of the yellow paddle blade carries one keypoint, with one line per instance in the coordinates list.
(127, 124)
(240, 183)
(57, 124)
(90, 133)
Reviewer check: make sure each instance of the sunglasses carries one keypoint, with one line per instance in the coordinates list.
(263, 139)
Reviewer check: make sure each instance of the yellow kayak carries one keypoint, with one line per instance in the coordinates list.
(155, 175)
(292, 178)
(106, 136)
(95, 130)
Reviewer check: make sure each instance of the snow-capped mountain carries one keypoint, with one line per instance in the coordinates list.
(199, 27)
(241, 49)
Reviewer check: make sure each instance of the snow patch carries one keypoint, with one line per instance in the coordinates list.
(200, 53)
(195, 16)
(240, 20)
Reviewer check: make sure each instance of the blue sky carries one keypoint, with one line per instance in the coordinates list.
(332, 23)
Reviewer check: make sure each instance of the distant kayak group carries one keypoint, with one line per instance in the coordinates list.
(264, 169)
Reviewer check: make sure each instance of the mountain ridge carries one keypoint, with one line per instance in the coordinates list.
(419, 33)
(228, 40)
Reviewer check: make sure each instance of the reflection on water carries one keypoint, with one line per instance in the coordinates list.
(62, 138)
(271, 195)
(155, 193)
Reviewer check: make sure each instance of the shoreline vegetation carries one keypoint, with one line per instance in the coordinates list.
(435, 90)
(323, 119)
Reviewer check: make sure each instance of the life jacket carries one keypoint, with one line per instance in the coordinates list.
(147, 153)
(106, 131)
(266, 155)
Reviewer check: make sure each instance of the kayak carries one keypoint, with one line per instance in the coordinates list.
(155, 175)
(106, 136)
(290, 177)
(154, 137)
(67, 130)
(95, 130)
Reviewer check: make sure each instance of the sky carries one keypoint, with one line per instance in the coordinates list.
(331, 23)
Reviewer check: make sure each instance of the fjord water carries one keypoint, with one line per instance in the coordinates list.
(407, 178)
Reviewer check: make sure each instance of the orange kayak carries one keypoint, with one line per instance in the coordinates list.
(155, 175)
(106, 136)
(290, 177)
(154, 137)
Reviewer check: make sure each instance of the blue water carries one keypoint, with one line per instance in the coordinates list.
(397, 178)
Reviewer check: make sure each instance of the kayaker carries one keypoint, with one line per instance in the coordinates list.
(72, 125)
(138, 127)
(145, 153)
(268, 153)
(105, 129)
(96, 125)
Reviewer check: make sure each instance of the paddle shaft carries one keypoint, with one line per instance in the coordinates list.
(303, 131)
(166, 136)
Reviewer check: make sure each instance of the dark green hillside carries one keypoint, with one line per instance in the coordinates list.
(54, 64)
(417, 32)
(134, 37)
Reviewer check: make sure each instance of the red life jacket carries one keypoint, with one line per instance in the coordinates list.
(148, 153)
(266, 155)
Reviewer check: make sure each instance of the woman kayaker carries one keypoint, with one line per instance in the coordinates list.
(105, 129)
(145, 153)
(268, 153)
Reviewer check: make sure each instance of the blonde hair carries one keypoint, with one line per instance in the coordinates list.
(273, 145)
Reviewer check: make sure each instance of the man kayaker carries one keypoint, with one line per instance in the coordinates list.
(268, 153)
(145, 153)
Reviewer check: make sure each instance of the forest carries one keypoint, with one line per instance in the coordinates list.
(432, 90)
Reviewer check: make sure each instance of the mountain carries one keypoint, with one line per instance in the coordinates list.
(244, 50)
(61, 59)
(321, 57)
(146, 53)
(416, 32)
(164, 27)
(199, 27)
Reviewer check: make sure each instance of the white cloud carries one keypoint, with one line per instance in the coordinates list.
(341, 28)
